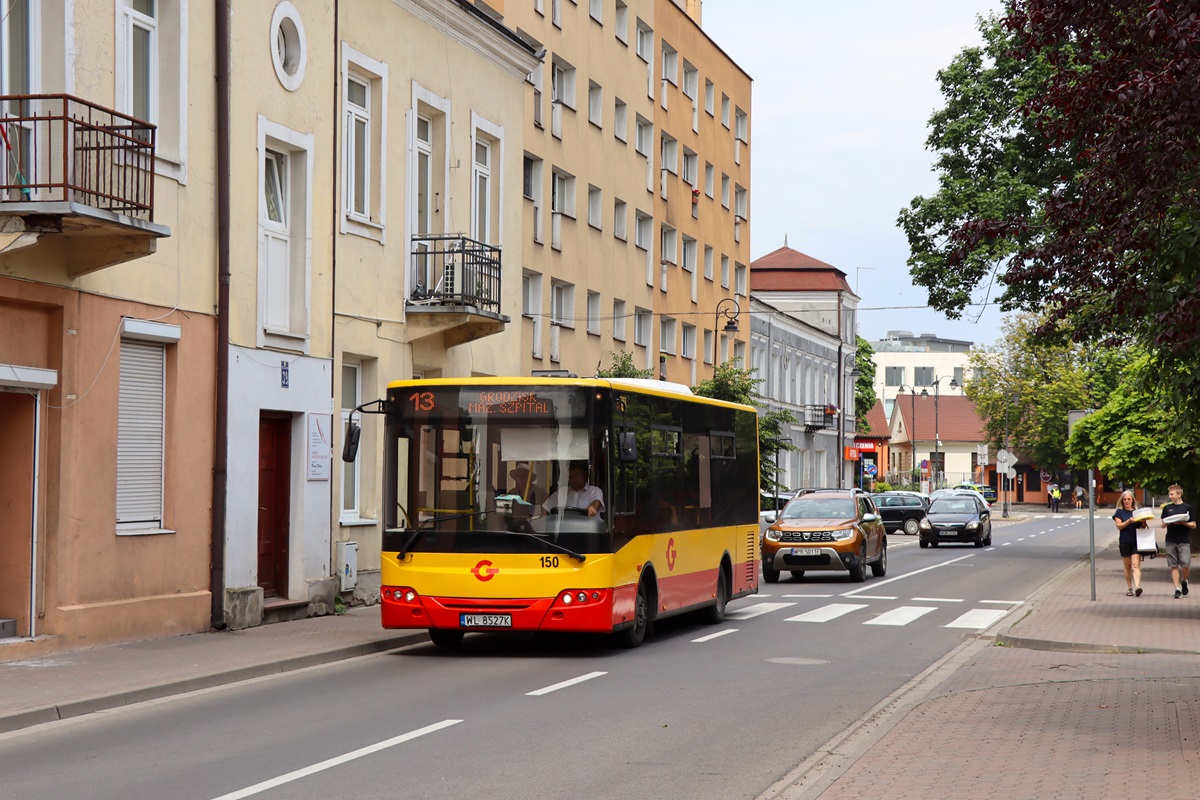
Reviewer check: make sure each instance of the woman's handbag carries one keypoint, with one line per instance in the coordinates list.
(1145, 542)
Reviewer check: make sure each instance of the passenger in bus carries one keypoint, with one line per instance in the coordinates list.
(578, 492)
(525, 485)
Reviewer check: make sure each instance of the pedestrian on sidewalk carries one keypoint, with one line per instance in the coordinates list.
(1178, 537)
(1055, 497)
(1079, 492)
(1130, 557)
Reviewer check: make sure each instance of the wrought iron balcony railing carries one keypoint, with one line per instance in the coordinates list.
(59, 148)
(454, 270)
(820, 417)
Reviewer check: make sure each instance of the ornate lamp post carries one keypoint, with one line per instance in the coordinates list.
(730, 310)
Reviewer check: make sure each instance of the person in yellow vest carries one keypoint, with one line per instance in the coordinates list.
(1055, 497)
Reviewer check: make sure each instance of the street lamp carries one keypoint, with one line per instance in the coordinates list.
(731, 317)
(937, 437)
(848, 361)
(912, 431)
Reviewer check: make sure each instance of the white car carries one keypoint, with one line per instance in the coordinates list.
(945, 492)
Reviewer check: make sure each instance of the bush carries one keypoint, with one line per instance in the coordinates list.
(883, 486)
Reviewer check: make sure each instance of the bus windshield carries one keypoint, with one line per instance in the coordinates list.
(496, 469)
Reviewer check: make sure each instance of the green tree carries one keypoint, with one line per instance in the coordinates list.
(864, 385)
(1131, 438)
(622, 367)
(730, 382)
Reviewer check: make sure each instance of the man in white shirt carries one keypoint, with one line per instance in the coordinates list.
(578, 493)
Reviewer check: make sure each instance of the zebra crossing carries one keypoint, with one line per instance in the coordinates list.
(874, 613)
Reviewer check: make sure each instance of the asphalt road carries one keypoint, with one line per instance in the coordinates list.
(697, 712)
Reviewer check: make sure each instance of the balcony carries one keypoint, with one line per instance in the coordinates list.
(457, 292)
(76, 177)
(819, 417)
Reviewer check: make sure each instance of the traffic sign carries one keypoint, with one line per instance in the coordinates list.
(1045, 476)
(1004, 459)
(869, 468)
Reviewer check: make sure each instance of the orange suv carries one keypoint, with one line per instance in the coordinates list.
(829, 530)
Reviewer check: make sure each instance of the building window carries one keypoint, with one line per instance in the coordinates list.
(593, 313)
(428, 131)
(708, 262)
(894, 376)
(535, 79)
(641, 327)
(689, 254)
(595, 104)
(708, 346)
(644, 45)
(709, 92)
(619, 320)
(668, 243)
(739, 279)
(562, 304)
(596, 9)
(708, 179)
(666, 335)
(670, 66)
(642, 230)
(481, 185)
(959, 373)
(688, 349)
(620, 217)
(363, 87)
(724, 272)
(531, 294)
(669, 154)
(725, 190)
(690, 168)
(739, 202)
(595, 208)
(725, 109)
(621, 22)
(284, 228)
(923, 376)
(741, 126)
(141, 427)
(562, 194)
(645, 130)
(620, 112)
(563, 87)
(151, 66)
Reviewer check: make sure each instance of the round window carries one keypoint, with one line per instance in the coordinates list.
(288, 50)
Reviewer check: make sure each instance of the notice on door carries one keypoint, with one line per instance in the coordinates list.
(320, 450)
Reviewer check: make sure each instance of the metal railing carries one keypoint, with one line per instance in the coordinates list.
(452, 269)
(819, 417)
(60, 148)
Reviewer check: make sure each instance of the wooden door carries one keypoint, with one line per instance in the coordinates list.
(274, 502)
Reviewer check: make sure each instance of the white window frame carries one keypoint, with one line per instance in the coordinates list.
(296, 230)
(724, 272)
(668, 244)
(643, 230)
(725, 110)
(596, 10)
(351, 472)
(724, 190)
(141, 436)
(620, 119)
(691, 168)
(621, 22)
(689, 253)
(169, 74)
(708, 262)
(593, 313)
(710, 90)
(643, 136)
(562, 304)
(361, 68)
(620, 219)
(618, 320)
(709, 172)
(595, 104)
(669, 153)
(641, 326)
(485, 132)
(741, 280)
(666, 335)
(688, 344)
(595, 207)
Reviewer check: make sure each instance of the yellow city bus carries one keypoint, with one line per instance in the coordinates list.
(546, 504)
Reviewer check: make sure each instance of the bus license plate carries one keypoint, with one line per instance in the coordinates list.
(485, 620)
(806, 551)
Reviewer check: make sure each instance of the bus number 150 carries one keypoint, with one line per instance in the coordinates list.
(548, 562)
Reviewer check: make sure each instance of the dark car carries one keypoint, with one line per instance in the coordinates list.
(901, 511)
(961, 518)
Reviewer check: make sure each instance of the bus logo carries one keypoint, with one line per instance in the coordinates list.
(484, 570)
(671, 553)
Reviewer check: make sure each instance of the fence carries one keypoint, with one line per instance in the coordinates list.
(452, 269)
(59, 148)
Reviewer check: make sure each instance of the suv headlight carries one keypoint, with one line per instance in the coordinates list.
(972, 525)
(771, 536)
(841, 536)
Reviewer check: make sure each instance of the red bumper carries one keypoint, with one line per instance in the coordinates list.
(404, 608)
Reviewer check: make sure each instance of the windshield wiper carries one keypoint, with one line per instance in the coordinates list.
(428, 523)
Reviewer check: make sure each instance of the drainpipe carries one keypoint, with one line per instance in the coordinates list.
(221, 433)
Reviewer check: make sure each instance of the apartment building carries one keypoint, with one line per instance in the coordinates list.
(904, 362)
(635, 192)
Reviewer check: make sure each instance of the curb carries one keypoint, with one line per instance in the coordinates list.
(78, 708)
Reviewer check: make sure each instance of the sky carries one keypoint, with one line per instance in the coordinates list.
(839, 116)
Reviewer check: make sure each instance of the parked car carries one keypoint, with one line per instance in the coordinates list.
(829, 530)
(956, 491)
(988, 492)
(769, 506)
(960, 517)
(901, 511)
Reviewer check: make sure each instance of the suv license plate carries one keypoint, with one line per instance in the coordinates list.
(485, 620)
(806, 551)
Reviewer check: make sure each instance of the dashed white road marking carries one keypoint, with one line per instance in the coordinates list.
(937, 600)
(978, 619)
(716, 635)
(564, 684)
(901, 616)
(756, 610)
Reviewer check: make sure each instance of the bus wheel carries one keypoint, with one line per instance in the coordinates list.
(634, 635)
(715, 614)
(445, 637)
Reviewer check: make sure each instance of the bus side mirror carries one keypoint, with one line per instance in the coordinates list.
(627, 446)
(350, 446)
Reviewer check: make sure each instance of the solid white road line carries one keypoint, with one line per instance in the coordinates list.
(826, 613)
(901, 616)
(716, 635)
(756, 610)
(877, 584)
(564, 684)
(978, 618)
(258, 788)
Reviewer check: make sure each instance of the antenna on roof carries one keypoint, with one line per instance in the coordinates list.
(785, 240)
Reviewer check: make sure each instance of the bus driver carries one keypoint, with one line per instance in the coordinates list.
(578, 493)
